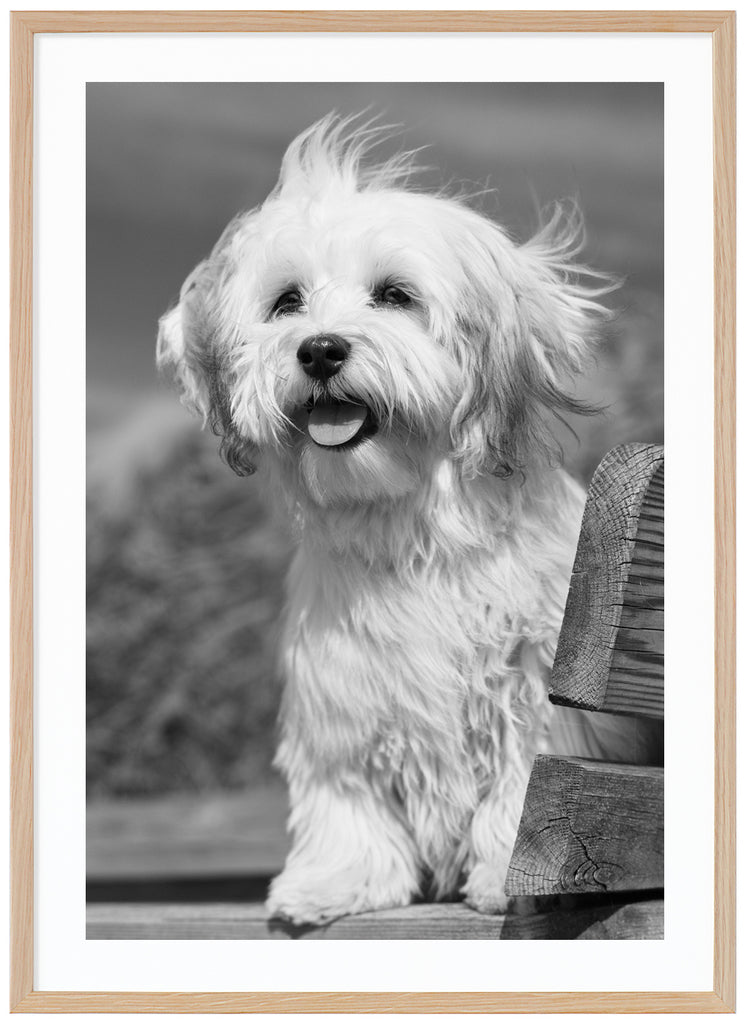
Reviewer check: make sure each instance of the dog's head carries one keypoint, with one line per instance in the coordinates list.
(357, 332)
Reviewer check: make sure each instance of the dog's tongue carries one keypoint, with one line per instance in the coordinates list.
(334, 423)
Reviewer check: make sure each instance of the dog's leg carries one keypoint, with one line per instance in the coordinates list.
(350, 854)
(491, 841)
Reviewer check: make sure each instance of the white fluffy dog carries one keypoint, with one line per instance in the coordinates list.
(390, 360)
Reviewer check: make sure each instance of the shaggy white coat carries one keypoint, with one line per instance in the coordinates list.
(428, 588)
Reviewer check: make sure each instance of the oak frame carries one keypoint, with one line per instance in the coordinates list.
(24, 26)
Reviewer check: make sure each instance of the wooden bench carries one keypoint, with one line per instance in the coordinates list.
(235, 920)
(593, 826)
(590, 842)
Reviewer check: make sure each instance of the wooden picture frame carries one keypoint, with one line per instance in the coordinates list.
(24, 27)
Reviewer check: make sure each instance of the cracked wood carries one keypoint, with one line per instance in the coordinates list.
(588, 826)
(610, 654)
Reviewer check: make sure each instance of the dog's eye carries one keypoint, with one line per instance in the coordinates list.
(391, 295)
(288, 302)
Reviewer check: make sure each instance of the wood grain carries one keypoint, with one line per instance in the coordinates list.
(639, 920)
(725, 257)
(372, 1002)
(721, 25)
(610, 654)
(373, 21)
(588, 826)
(21, 516)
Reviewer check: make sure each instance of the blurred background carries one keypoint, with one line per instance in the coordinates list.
(185, 561)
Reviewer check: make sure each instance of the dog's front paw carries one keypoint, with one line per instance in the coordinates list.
(308, 903)
(321, 900)
(484, 889)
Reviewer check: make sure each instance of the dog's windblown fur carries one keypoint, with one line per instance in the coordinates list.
(392, 361)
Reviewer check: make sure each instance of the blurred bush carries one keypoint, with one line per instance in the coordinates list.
(185, 568)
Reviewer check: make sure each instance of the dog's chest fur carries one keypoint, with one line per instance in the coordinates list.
(420, 646)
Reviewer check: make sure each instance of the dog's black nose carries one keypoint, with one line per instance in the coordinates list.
(323, 355)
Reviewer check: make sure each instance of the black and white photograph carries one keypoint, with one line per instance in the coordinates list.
(375, 510)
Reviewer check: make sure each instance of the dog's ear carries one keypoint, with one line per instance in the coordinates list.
(528, 327)
(184, 340)
(187, 349)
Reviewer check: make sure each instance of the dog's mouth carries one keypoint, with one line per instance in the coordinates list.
(340, 425)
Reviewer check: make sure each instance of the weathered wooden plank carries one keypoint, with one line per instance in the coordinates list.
(641, 920)
(633, 617)
(641, 641)
(610, 654)
(608, 920)
(188, 836)
(589, 826)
